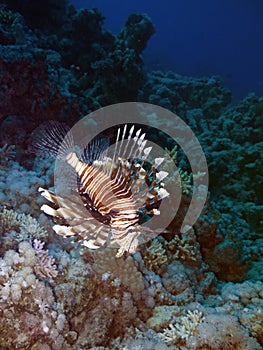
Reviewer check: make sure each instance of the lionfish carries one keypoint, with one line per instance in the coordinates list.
(111, 194)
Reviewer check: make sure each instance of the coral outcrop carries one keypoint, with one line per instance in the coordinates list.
(200, 289)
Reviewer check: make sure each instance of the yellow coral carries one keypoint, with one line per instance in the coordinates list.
(183, 248)
(155, 255)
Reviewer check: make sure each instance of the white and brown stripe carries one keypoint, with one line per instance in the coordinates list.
(115, 190)
(110, 196)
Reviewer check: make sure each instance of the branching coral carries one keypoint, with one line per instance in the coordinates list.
(184, 248)
(20, 227)
(185, 327)
(180, 178)
(45, 265)
(155, 256)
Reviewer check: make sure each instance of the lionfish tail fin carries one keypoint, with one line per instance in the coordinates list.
(52, 139)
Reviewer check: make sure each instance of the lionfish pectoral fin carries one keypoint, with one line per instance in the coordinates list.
(92, 244)
(47, 194)
(129, 247)
(52, 139)
(48, 210)
(127, 243)
(64, 230)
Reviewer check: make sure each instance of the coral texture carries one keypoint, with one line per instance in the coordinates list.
(201, 289)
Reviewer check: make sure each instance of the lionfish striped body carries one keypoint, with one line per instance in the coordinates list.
(115, 190)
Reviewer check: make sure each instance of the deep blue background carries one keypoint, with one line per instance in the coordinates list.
(197, 38)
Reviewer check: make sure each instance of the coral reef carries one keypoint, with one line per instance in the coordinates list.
(184, 328)
(30, 302)
(191, 98)
(18, 185)
(201, 289)
(17, 227)
(29, 88)
(229, 231)
(201, 327)
(63, 76)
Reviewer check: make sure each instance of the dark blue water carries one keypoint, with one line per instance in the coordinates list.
(198, 38)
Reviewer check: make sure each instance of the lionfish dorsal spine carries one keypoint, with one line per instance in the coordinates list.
(161, 175)
(129, 139)
(121, 143)
(115, 151)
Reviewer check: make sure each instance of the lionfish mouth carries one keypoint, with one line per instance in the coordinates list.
(112, 196)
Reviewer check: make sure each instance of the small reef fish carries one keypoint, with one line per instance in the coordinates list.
(118, 192)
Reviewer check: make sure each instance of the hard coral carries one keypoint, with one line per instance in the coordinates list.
(136, 33)
(123, 269)
(26, 87)
(76, 52)
(185, 327)
(29, 315)
(121, 70)
(102, 300)
(17, 227)
(45, 265)
(185, 95)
